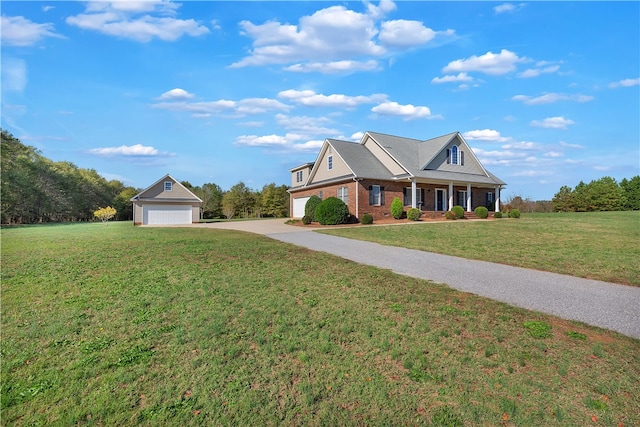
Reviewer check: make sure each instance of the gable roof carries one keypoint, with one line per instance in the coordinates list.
(419, 158)
(190, 196)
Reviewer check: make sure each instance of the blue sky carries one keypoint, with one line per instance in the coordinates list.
(546, 93)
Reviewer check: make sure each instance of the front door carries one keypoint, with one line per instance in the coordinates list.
(441, 199)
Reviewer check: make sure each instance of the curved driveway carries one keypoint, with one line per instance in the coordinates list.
(607, 305)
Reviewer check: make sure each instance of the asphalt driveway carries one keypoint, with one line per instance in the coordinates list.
(607, 305)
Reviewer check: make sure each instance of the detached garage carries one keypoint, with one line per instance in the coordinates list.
(166, 202)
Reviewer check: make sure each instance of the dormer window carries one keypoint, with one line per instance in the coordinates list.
(168, 186)
(455, 156)
(299, 176)
(330, 162)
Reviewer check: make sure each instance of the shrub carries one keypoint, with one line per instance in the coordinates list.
(414, 214)
(367, 219)
(497, 215)
(514, 213)
(450, 215)
(332, 211)
(310, 207)
(459, 211)
(481, 212)
(306, 220)
(397, 208)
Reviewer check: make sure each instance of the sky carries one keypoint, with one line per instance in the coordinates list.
(546, 93)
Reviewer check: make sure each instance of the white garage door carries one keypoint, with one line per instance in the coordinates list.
(166, 214)
(298, 206)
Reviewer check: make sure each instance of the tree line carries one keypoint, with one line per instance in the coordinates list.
(604, 194)
(35, 189)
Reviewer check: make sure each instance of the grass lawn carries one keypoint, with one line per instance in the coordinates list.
(116, 325)
(599, 245)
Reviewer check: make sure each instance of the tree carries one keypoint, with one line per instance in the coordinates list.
(274, 200)
(605, 195)
(240, 199)
(563, 201)
(631, 190)
(105, 214)
(211, 195)
(123, 205)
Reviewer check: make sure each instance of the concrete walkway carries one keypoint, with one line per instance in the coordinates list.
(596, 303)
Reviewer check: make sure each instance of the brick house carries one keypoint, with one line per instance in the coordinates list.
(432, 175)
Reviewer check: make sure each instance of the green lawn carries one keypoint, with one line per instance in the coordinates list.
(599, 245)
(116, 325)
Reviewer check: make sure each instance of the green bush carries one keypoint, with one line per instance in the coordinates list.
(497, 215)
(366, 219)
(481, 212)
(332, 211)
(414, 214)
(306, 220)
(514, 213)
(397, 208)
(450, 215)
(310, 207)
(459, 211)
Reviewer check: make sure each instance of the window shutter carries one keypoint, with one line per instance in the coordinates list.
(462, 158)
(448, 156)
(382, 195)
(422, 196)
(370, 195)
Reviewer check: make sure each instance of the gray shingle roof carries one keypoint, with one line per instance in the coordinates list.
(412, 154)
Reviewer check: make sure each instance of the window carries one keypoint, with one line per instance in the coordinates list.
(462, 198)
(490, 201)
(408, 196)
(343, 194)
(376, 195)
(455, 156)
(168, 186)
(320, 194)
(330, 162)
(299, 176)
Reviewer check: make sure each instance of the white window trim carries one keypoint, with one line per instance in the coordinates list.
(457, 157)
(409, 192)
(170, 188)
(343, 194)
(330, 162)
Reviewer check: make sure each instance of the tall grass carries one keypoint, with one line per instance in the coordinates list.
(115, 325)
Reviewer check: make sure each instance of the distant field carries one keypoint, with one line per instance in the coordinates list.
(596, 245)
(116, 325)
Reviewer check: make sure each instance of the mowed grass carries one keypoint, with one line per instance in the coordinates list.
(116, 325)
(598, 245)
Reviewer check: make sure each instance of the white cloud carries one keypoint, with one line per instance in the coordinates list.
(532, 173)
(19, 31)
(625, 83)
(403, 33)
(288, 142)
(334, 67)
(489, 63)
(553, 154)
(123, 19)
(126, 150)
(567, 145)
(485, 135)
(549, 98)
(14, 74)
(176, 94)
(460, 77)
(408, 111)
(238, 108)
(508, 8)
(305, 125)
(535, 72)
(332, 35)
(47, 8)
(522, 145)
(553, 123)
(312, 99)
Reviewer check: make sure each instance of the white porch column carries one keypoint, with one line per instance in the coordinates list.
(468, 198)
(414, 202)
(450, 196)
(497, 208)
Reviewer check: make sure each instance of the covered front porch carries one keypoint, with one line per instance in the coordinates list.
(442, 196)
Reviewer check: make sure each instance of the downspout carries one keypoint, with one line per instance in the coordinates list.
(356, 179)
